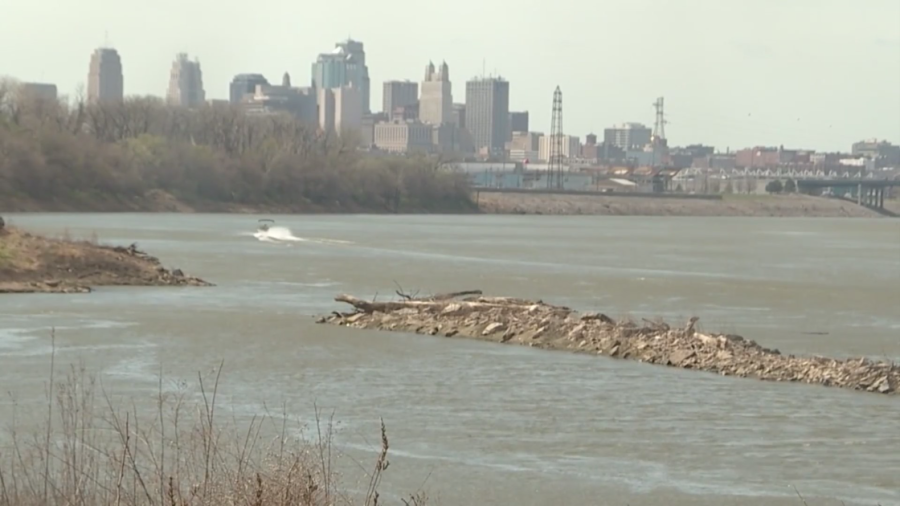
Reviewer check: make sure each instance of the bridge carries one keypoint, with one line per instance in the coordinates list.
(869, 192)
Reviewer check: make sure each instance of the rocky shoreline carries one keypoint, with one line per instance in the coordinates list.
(756, 206)
(35, 264)
(537, 324)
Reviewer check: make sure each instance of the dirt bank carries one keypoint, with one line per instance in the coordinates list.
(541, 325)
(730, 205)
(35, 264)
(158, 201)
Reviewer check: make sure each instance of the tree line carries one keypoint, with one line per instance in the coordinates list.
(82, 154)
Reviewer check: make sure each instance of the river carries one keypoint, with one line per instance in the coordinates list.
(481, 423)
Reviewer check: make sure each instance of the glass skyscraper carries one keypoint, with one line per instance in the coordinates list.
(345, 66)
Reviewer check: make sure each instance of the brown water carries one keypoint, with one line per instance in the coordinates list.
(502, 425)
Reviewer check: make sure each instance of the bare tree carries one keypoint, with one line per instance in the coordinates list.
(211, 154)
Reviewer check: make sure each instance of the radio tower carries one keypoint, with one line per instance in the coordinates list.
(659, 129)
(555, 158)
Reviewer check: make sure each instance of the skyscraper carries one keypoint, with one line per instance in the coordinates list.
(340, 109)
(518, 121)
(185, 83)
(105, 82)
(244, 84)
(399, 94)
(487, 112)
(436, 101)
(344, 66)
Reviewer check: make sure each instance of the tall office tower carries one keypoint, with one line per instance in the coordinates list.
(518, 122)
(185, 83)
(459, 115)
(340, 109)
(487, 112)
(399, 94)
(344, 66)
(105, 81)
(436, 100)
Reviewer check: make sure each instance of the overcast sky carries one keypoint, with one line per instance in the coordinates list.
(804, 73)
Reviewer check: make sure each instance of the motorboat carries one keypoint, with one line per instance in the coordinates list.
(264, 225)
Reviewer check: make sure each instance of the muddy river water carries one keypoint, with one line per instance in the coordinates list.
(481, 423)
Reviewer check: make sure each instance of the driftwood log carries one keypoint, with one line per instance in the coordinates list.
(472, 301)
(534, 323)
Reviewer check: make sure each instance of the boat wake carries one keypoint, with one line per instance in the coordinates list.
(284, 235)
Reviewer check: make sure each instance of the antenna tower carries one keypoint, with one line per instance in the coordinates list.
(555, 158)
(659, 129)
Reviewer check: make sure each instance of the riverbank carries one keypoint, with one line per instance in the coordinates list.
(488, 203)
(158, 201)
(35, 264)
(541, 325)
(730, 205)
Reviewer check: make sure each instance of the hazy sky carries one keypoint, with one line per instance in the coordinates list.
(803, 73)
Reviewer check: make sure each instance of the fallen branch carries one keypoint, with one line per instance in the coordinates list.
(455, 295)
(430, 303)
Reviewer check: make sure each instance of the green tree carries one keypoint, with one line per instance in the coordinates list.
(774, 186)
(789, 186)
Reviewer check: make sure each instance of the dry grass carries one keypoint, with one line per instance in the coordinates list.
(13, 252)
(24, 249)
(27, 247)
(7, 256)
(89, 452)
(33, 257)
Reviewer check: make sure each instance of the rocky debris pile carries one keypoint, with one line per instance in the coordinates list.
(537, 324)
(43, 287)
(159, 275)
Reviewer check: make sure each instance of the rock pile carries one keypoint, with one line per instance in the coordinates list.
(536, 324)
(158, 275)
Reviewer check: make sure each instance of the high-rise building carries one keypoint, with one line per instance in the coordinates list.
(243, 85)
(105, 82)
(459, 116)
(518, 122)
(399, 94)
(627, 136)
(487, 112)
(344, 66)
(340, 108)
(357, 51)
(436, 101)
(185, 83)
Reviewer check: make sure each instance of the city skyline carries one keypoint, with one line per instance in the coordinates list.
(767, 87)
